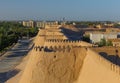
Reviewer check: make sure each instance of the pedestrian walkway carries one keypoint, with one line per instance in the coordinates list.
(12, 58)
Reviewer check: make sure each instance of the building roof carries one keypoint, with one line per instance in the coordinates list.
(104, 33)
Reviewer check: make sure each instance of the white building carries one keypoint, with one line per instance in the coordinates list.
(96, 37)
(28, 23)
(43, 24)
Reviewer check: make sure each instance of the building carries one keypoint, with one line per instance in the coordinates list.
(115, 42)
(99, 26)
(29, 23)
(43, 24)
(109, 24)
(96, 37)
(112, 30)
(40, 24)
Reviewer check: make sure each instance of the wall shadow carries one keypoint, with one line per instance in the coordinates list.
(113, 58)
(72, 35)
(7, 75)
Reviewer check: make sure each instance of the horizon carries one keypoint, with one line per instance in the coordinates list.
(59, 20)
(82, 10)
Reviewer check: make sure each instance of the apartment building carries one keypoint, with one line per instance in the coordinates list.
(43, 24)
(96, 37)
(29, 23)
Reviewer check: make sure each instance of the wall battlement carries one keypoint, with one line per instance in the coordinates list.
(62, 40)
(65, 42)
(52, 35)
(52, 49)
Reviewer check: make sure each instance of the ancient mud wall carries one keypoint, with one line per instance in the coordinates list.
(104, 61)
(54, 67)
(48, 37)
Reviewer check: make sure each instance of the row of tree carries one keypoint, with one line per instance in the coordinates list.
(10, 32)
(103, 42)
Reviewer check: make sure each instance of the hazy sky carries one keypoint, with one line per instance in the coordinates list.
(87, 10)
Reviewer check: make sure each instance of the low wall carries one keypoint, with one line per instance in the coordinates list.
(105, 62)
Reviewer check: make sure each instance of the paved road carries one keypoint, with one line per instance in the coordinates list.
(12, 58)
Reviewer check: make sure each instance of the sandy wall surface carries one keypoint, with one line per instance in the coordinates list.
(54, 67)
(93, 71)
(78, 67)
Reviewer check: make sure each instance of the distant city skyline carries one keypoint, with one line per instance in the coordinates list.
(80, 10)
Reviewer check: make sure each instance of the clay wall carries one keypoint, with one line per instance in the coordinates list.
(105, 62)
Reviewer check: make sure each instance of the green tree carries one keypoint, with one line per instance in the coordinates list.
(11, 31)
(102, 42)
(109, 43)
(86, 38)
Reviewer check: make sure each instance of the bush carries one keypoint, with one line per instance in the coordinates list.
(103, 42)
(86, 38)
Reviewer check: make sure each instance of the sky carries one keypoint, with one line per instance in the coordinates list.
(81, 10)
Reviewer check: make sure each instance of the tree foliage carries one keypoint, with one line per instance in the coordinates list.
(86, 38)
(103, 42)
(10, 32)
